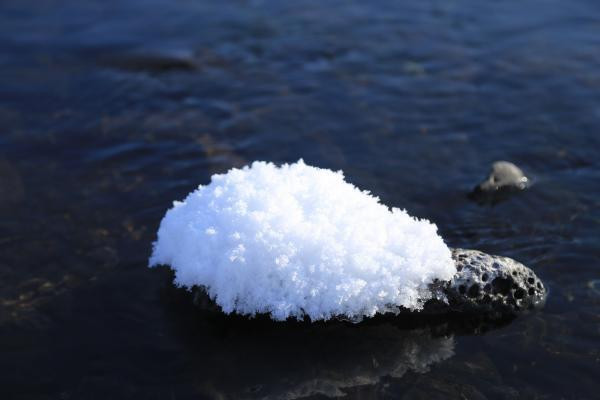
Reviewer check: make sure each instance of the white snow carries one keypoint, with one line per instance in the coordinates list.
(296, 241)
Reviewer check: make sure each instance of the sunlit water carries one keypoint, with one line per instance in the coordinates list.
(110, 110)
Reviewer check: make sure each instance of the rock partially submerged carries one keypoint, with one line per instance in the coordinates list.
(484, 285)
(296, 241)
(299, 241)
(503, 179)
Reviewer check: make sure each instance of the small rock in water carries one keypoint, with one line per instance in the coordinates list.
(151, 61)
(504, 177)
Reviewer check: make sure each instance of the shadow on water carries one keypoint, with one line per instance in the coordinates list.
(259, 358)
(120, 336)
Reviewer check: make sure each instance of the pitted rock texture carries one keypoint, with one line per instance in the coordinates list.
(486, 282)
(484, 285)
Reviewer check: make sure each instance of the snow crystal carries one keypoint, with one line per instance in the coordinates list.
(296, 241)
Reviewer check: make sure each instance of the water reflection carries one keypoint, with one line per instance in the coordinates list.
(261, 359)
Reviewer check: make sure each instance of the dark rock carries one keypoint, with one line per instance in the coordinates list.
(492, 287)
(11, 184)
(487, 283)
(151, 61)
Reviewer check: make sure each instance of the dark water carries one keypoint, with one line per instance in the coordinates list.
(109, 110)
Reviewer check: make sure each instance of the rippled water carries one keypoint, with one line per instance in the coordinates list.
(110, 110)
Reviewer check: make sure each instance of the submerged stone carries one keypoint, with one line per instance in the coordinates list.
(503, 179)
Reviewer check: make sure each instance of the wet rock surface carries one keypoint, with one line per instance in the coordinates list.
(503, 179)
(488, 283)
(489, 286)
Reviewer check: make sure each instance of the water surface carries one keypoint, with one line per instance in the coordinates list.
(109, 110)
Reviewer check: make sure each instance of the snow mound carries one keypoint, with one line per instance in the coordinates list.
(297, 241)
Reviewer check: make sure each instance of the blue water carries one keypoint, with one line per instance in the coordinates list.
(109, 110)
